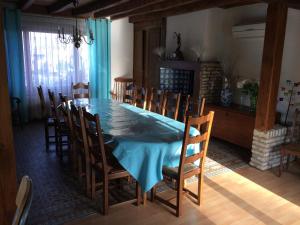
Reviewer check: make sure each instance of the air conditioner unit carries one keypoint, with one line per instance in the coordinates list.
(249, 31)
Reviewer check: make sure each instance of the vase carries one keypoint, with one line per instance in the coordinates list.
(253, 101)
(226, 97)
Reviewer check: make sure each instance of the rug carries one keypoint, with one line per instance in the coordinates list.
(223, 157)
(58, 196)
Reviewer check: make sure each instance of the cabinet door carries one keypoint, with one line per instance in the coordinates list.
(152, 60)
(234, 127)
(147, 37)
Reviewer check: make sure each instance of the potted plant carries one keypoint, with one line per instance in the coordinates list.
(249, 87)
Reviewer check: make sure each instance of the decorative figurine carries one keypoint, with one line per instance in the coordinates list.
(177, 55)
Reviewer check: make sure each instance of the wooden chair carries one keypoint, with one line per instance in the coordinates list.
(199, 108)
(140, 97)
(170, 104)
(81, 90)
(80, 148)
(102, 161)
(187, 168)
(292, 149)
(63, 128)
(48, 120)
(123, 87)
(23, 201)
(156, 100)
(60, 126)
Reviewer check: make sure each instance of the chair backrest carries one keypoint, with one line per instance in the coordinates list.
(156, 100)
(52, 104)
(186, 108)
(81, 90)
(122, 86)
(95, 140)
(199, 108)
(140, 97)
(23, 201)
(205, 123)
(76, 124)
(62, 98)
(42, 101)
(170, 104)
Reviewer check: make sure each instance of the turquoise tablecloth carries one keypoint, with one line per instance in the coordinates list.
(144, 141)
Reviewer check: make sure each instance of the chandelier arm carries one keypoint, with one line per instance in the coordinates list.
(88, 42)
(66, 40)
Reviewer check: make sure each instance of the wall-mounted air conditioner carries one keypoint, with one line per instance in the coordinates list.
(249, 31)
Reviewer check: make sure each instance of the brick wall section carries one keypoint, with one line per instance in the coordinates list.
(266, 147)
(211, 81)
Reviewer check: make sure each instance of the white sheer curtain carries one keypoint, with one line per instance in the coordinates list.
(48, 62)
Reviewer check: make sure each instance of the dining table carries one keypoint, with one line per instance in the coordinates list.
(143, 141)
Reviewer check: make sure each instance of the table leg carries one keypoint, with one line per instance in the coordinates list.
(144, 198)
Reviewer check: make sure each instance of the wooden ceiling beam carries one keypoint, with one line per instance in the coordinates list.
(58, 6)
(162, 5)
(242, 3)
(125, 7)
(25, 4)
(294, 4)
(96, 5)
(185, 8)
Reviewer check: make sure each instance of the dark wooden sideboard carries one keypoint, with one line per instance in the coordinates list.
(234, 124)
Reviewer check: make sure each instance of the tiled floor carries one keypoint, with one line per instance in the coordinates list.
(59, 196)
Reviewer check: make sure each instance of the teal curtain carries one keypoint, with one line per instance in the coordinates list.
(14, 57)
(100, 58)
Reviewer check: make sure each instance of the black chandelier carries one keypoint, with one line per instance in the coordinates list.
(77, 37)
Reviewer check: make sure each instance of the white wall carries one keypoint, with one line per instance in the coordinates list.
(198, 31)
(210, 32)
(121, 48)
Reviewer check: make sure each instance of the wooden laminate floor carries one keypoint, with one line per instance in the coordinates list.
(248, 196)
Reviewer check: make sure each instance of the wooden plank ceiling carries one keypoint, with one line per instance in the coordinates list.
(136, 10)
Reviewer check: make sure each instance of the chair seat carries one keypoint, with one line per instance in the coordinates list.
(172, 172)
(292, 148)
(113, 168)
(50, 120)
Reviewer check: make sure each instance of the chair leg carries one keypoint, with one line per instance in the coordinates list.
(79, 166)
(74, 157)
(105, 195)
(93, 184)
(287, 161)
(56, 139)
(46, 135)
(138, 194)
(281, 165)
(179, 198)
(153, 193)
(60, 150)
(200, 186)
(88, 178)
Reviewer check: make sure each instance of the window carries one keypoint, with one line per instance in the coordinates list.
(52, 64)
